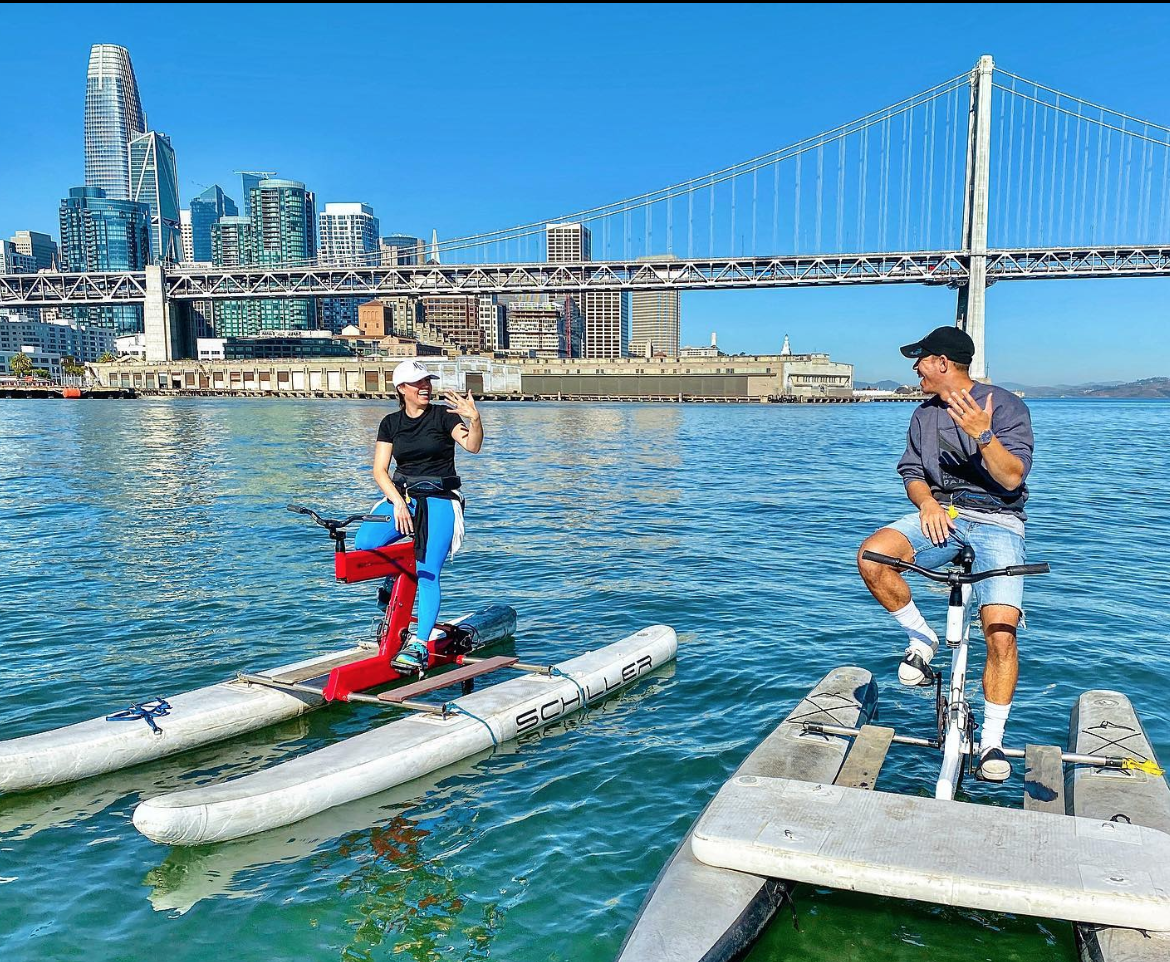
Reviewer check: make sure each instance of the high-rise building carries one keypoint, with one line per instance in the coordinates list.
(348, 238)
(348, 234)
(607, 323)
(249, 179)
(456, 318)
(284, 222)
(233, 244)
(154, 181)
(113, 117)
(40, 247)
(99, 233)
(206, 209)
(401, 249)
(493, 322)
(13, 261)
(383, 316)
(605, 315)
(568, 243)
(188, 240)
(535, 326)
(654, 323)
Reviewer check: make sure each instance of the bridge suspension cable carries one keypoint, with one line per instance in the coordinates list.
(820, 214)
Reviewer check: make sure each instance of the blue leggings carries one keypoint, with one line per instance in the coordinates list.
(441, 522)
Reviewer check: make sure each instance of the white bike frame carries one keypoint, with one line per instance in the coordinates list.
(957, 712)
(955, 731)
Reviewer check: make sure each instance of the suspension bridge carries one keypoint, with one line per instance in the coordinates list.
(985, 177)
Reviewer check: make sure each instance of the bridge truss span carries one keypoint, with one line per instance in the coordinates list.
(949, 268)
(48, 290)
(693, 274)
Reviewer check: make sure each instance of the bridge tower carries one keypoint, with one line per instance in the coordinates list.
(973, 298)
(167, 323)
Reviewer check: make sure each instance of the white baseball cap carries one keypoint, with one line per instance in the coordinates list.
(408, 372)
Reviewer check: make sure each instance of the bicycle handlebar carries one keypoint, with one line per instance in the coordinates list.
(336, 525)
(956, 577)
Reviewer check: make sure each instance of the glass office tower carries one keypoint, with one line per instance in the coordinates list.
(284, 222)
(154, 181)
(206, 209)
(99, 233)
(113, 117)
(233, 244)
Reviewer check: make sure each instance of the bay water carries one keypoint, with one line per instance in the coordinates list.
(145, 550)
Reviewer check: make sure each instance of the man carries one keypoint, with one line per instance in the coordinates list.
(968, 451)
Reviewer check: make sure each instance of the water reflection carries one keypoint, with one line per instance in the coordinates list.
(191, 874)
(25, 815)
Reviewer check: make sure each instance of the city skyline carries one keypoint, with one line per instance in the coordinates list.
(1036, 332)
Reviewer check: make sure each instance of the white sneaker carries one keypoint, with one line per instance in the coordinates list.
(993, 765)
(915, 670)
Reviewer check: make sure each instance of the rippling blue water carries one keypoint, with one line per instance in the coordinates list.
(144, 550)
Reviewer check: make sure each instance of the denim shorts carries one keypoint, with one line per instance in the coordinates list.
(995, 547)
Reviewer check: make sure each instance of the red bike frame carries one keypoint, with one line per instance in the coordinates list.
(396, 561)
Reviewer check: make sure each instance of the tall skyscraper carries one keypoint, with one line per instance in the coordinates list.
(40, 247)
(99, 233)
(154, 181)
(605, 314)
(206, 209)
(113, 117)
(349, 238)
(233, 244)
(185, 227)
(284, 221)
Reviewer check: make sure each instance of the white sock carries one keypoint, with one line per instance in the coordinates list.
(994, 719)
(922, 639)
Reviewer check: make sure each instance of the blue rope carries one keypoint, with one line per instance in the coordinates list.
(555, 672)
(148, 711)
(455, 709)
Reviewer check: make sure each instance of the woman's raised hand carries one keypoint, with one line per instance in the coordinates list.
(463, 406)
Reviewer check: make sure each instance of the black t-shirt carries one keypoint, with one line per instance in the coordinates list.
(423, 446)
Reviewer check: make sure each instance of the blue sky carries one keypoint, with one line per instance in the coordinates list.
(465, 118)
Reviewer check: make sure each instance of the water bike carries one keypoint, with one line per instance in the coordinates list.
(433, 734)
(1091, 845)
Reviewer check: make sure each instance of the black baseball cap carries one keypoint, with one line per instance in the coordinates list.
(944, 342)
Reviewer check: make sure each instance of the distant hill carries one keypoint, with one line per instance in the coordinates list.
(1152, 387)
(878, 385)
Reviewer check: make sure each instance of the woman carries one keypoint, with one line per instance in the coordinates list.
(423, 494)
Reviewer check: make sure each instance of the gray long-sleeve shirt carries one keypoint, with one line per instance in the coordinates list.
(943, 455)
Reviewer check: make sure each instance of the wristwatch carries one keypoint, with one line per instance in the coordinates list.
(984, 438)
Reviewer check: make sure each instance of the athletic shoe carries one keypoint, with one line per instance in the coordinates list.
(993, 765)
(413, 656)
(915, 670)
